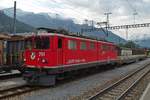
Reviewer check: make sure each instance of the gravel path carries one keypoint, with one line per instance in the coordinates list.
(4, 84)
(78, 87)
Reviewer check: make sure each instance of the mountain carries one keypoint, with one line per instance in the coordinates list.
(40, 19)
(9, 12)
(143, 42)
(6, 25)
(51, 20)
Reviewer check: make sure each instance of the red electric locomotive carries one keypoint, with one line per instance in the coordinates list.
(51, 53)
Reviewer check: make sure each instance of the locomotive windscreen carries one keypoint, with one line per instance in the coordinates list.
(42, 42)
(37, 43)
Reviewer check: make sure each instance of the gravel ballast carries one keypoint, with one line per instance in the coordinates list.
(79, 87)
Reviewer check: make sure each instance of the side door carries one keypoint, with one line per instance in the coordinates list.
(60, 51)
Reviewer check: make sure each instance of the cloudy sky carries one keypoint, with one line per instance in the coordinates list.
(122, 11)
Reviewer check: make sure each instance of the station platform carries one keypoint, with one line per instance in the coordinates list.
(9, 83)
(10, 73)
(146, 94)
(10, 79)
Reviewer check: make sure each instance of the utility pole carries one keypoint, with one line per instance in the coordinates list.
(86, 21)
(107, 20)
(92, 22)
(126, 33)
(14, 19)
(89, 22)
(134, 14)
(55, 21)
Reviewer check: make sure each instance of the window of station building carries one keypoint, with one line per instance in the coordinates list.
(83, 46)
(59, 43)
(92, 45)
(72, 44)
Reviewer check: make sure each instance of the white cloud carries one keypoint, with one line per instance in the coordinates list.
(146, 0)
(6, 3)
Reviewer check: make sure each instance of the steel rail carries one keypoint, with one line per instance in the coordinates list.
(14, 91)
(103, 91)
(132, 86)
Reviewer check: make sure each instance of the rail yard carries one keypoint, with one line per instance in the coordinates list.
(75, 66)
(65, 50)
(77, 88)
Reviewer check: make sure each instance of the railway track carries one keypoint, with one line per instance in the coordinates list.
(6, 93)
(18, 90)
(125, 88)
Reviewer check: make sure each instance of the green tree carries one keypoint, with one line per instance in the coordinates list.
(131, 44)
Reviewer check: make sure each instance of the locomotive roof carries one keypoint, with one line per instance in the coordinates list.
(50, 30)
(62, 32)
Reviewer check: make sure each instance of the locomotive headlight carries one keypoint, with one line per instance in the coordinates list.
(24, 59)
(44, 60)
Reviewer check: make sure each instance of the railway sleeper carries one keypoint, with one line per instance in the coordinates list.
(114, 93)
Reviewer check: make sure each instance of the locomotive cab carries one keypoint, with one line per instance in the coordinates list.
(43, 53)
(37, 51)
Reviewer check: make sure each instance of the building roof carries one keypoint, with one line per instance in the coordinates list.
(4, 36)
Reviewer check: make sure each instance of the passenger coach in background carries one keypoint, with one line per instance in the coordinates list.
(128, 55)
(3, 51)
(52, 53)
(15, 51)
(148, 52)
(12, 51)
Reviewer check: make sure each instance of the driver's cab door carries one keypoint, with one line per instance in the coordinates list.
(60, 51)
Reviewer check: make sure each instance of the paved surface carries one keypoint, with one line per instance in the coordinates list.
(10, 82)
(78, 87)
(7, 83)
(146, 94)
(12, 72)
(4, 84)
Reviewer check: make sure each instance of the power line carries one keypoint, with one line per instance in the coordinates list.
(120, 27)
